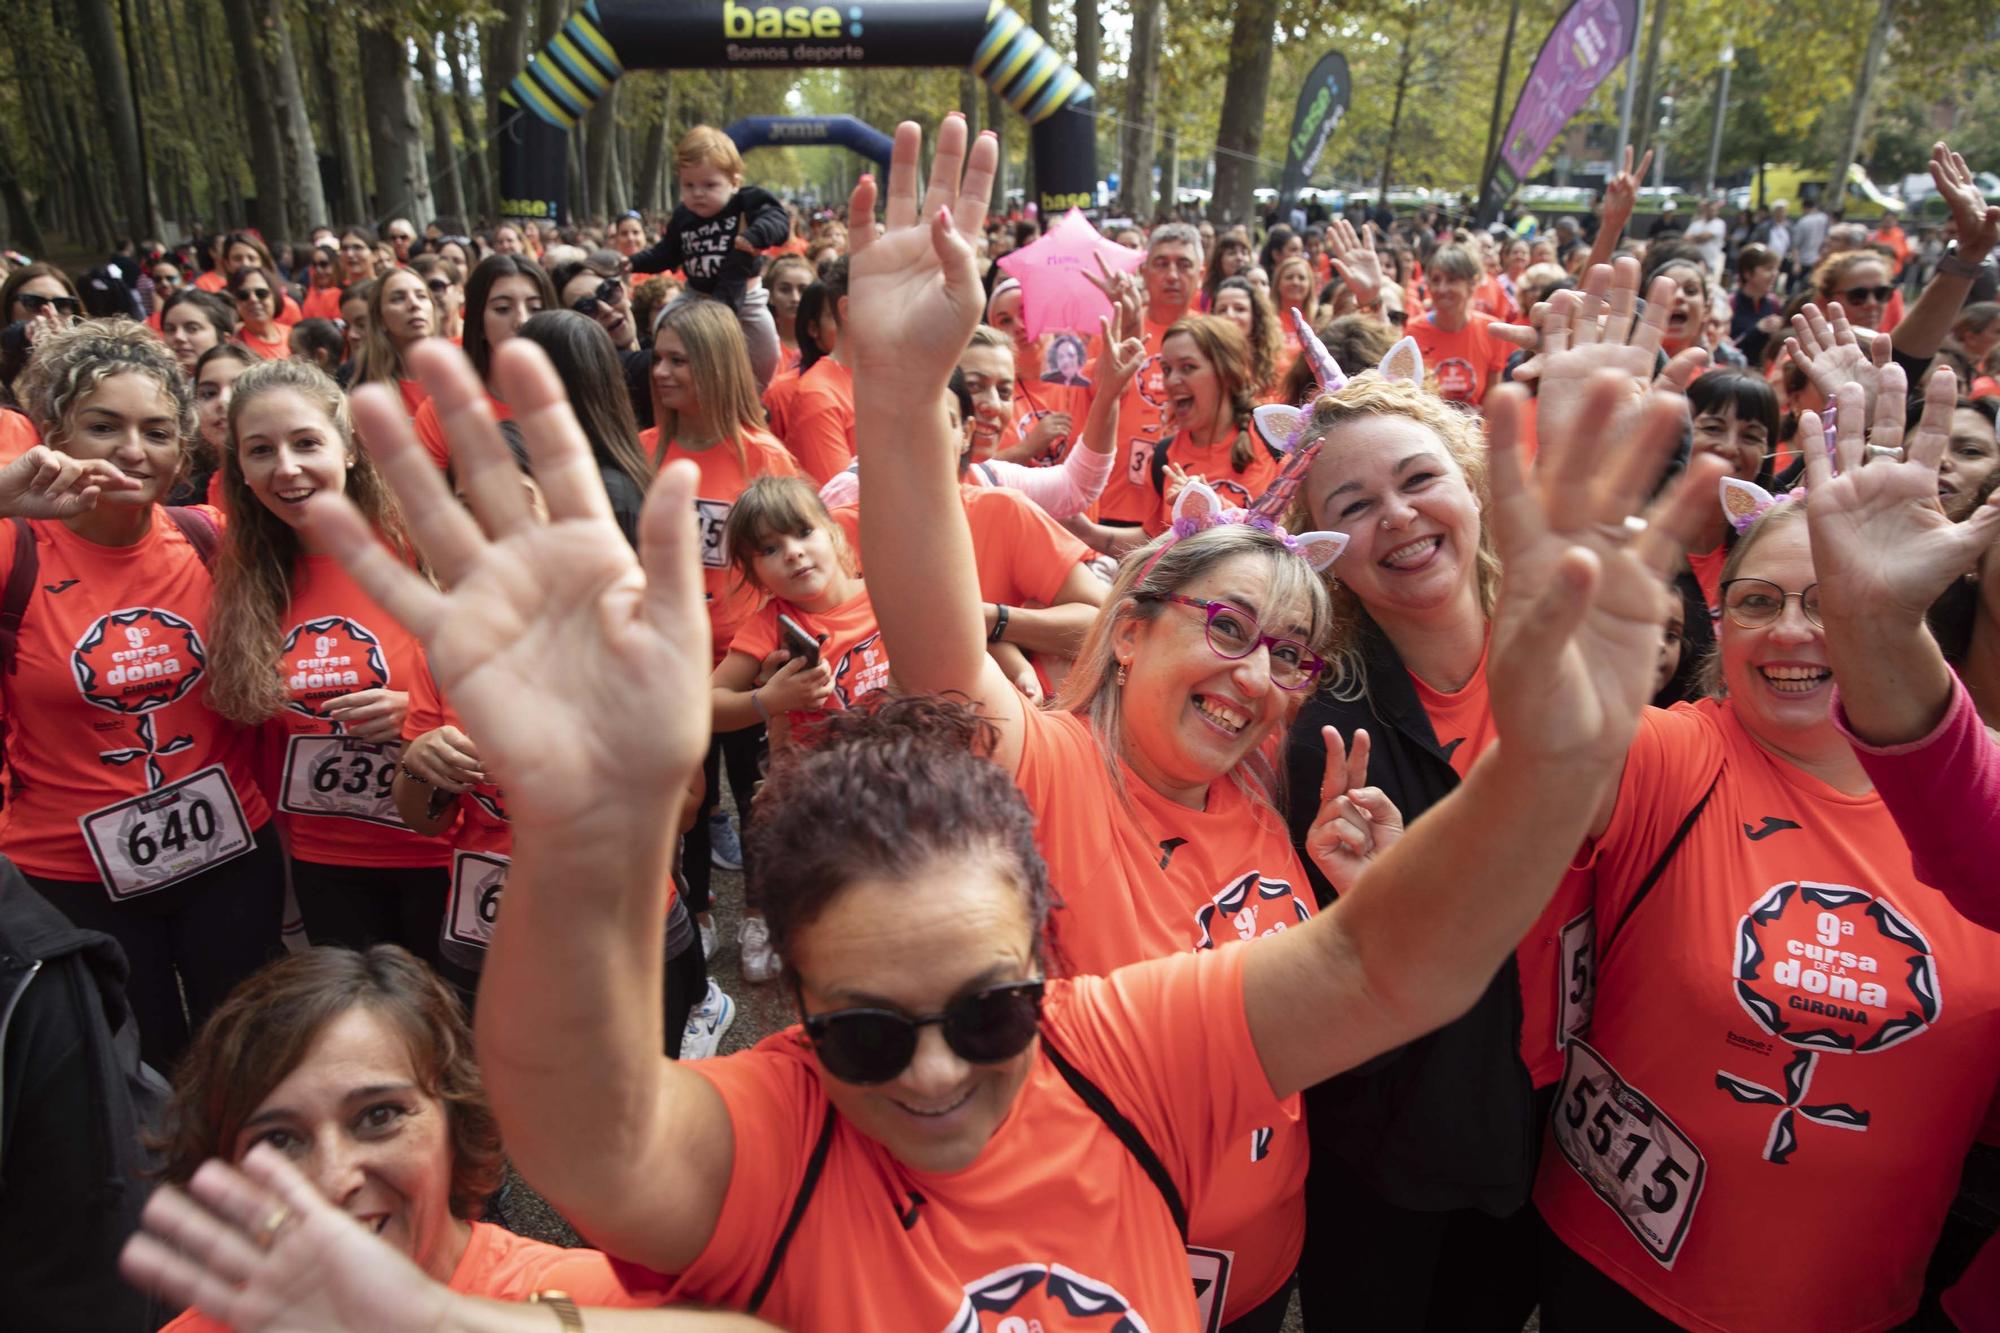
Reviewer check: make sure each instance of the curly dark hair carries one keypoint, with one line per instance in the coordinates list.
(254, 1041)
(886, 789)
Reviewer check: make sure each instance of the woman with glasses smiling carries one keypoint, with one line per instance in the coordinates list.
(256, 294)
(40, 294)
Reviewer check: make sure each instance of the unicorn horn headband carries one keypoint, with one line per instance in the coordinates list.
(1199, 508)
(1744, 502)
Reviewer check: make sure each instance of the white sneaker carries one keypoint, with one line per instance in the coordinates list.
(706, 1023)
(707, 929)
(753, 941)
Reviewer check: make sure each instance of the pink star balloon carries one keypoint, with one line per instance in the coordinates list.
(1055, 275)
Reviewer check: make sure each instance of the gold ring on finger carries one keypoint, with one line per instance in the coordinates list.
(267, 1234)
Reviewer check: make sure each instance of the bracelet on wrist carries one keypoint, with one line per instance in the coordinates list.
(569, 1319)
(999, 631)
(1955, 265)
(412, 774)
(758, 704)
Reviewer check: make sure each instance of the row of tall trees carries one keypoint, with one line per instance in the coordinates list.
(145, 117)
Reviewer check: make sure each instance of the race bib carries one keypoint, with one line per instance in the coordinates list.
(476, 881)
(1638, 1161)
(1576, 982)
(712, 518)
(1210, 1271)
(341, 777)
(1140, 453)
(163, 836)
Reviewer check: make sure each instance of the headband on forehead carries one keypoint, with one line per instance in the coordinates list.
(1283, 426)
(1744, 502)
(1199, 508)
(1000, 289)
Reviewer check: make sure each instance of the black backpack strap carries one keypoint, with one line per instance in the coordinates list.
(1127, 1132)
(20, 587)
(810, 1182)
(199, 529)
(1157, 466)
(1665, 859)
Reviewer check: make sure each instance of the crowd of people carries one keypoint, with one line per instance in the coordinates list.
(1410, 772)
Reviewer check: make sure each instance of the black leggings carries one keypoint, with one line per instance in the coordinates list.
(356, 906)
(687, 986)
(1268, 1317)
(197, 939)
(743, 751)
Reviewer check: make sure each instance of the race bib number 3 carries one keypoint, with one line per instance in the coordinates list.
(477, 879)
(1638, 1161)
(341, 777)
(162, 837)
(1209, 1270)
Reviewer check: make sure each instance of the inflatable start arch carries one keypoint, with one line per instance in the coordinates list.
(607, 37)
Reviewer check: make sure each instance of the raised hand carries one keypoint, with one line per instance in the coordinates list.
(1126, 294)
(1360, 266)
(1118, 361)
(1621, 192)
(1882, 546)
(1577, 629)
(259, 1249)
(574, 669)
(1356, 822)
(1832, 353)
(47, 483)
(918, 281)
(1598, 329)
(1976, 222)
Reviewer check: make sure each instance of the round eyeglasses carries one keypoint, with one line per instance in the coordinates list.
(1234, 634)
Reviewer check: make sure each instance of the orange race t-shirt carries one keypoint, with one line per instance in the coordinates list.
(1140, 876)
(1462, 722)
(1129, 496)
(1490, 298)
(1022, 554)
(731, 601)
(321, 303)
(275, 349)
(109, 703)
(778, 395)
(1035, 398)
(430, 429)
(501, 1266)
(334, 791)
(1463, 361)
(481, 824)
(819, 426)
(211, 281)
(852, 643)
(17, 435)
(1707, 567)
(1791, 1047)
(414, 396)
(1054, 1226)
(1211, 462)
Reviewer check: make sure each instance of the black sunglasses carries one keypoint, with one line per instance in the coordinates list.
(875, 1045)
(439, 286)
(35, 303)
(607, 293)
(253, 294)
(1879, 295)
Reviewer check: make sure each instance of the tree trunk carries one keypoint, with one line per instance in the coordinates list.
(395, 129)
(111, 89)
(19, 214)
(444, 158)
(227, 205)
(652, 166)
(267, 145)
(305, 195)
(1169, 162)
(1240, 133)
(599, 185)
(478, 180)
(549, 15)
(96, 216)
(1864, 97)
(1395, 116)
(1089, 40)
(1646, 116)
(995, 121)
(1491, 159)
(1135, 157)
(333, 106)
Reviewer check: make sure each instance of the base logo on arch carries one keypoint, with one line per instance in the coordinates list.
(137, 659)
(1829, 967)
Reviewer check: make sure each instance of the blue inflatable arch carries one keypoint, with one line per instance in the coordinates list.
(813, 131)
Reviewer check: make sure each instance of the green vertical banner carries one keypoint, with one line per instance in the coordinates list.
(1322, 102)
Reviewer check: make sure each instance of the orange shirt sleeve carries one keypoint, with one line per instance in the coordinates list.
(821, 433)
(430, 433)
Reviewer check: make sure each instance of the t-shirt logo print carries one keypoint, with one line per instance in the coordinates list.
(327, 658)
(862, 670)
(1247, 908)
(1045, 1297)
(1827, 969)
(137, 660)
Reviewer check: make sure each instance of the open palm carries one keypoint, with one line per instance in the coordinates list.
(918, 280)
(1577, 629)
(323, 1272)
(1881, 543)
(582, 678)
(1832, 353)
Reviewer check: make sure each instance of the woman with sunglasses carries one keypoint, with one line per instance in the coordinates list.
(323, 285)
(996, 1141)
(400, 314)
(1859, 280)
(1819, 1057)
(244, 249)
(255, 293)
(500, 296)
(446, 280)
(1403, 1183)
(40, 294)
(597, 290)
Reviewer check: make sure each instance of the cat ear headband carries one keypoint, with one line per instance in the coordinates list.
(1744, 502)
(1199, 508)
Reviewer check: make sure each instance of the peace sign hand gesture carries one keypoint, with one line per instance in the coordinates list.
(1882, 547)
(570, 664)
(1356, 822)
(918, 282)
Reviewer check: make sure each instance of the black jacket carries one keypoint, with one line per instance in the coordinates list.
(1447, 1121)
(74, 1101)
(704, 249)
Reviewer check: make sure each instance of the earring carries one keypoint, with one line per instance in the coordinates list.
(1124, 674)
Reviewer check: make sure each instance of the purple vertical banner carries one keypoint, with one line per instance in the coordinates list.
(1588, 43)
